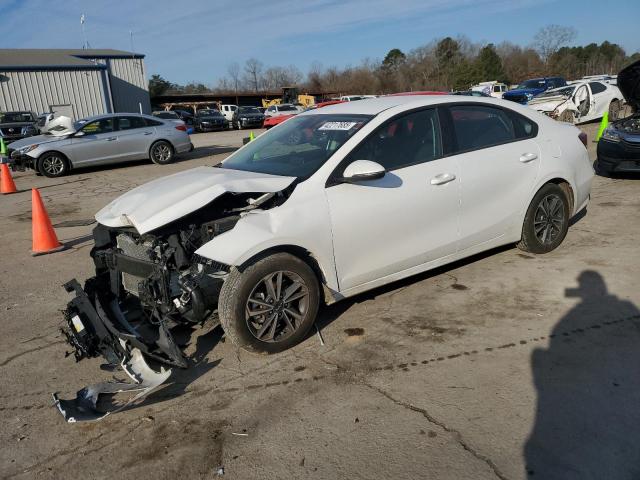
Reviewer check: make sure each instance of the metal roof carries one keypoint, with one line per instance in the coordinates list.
(57, 58)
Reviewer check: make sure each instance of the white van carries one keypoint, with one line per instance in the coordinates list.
(227, 111)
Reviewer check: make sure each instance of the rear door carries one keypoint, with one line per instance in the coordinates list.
(499, 161)
(403, 220)
(97, 145)
(134, 137)
(600, 99)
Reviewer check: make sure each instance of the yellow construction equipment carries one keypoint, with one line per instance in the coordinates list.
(290, 95)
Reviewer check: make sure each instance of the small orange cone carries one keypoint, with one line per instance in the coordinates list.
(44, 236)
(7, 184)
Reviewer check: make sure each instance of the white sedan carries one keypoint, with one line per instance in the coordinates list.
(580, 101)
(334, 202)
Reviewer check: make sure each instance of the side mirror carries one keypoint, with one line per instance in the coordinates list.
(361, 170)
(79, 133)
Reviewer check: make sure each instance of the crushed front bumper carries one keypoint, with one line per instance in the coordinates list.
(92, 332)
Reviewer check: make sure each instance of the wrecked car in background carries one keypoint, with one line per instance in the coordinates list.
(579, 102)
(333, 202)
(619, 146)
(531, 88)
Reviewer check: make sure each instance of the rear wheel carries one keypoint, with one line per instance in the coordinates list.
(269, 306)
(614, 110)
(567, 116)
(52, 165)
(547, 220)
(161, 152)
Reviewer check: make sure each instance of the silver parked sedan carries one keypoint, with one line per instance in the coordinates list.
(99, 140)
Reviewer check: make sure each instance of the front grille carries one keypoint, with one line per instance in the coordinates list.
(129, 247)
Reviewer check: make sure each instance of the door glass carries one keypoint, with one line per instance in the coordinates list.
(104, 125)
(479, 126)
(404, 141)
(597, 87)
(129, 123)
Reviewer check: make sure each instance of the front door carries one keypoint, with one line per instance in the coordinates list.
(97, 145)
(134, 138)
(409, 217)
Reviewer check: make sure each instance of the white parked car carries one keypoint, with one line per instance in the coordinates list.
(228, 111)
(580, 101)
(494, 89)
(331, 203)
(282, 109)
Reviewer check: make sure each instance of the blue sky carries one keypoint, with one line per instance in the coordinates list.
(198, 39)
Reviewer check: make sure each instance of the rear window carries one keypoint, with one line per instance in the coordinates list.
(597, 87)
(287, 108)
(479, 127)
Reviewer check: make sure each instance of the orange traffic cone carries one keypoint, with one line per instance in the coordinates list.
(44, 236)
(7, 184)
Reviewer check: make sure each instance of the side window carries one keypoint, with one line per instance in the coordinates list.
(523, 127)
(104, 125)
(479, 126)
(152, 123)
(497, 88)
(271, 109)
(404, 141)
(129, 123)
(597, 87)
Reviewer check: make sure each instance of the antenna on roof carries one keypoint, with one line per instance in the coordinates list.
(85, 42)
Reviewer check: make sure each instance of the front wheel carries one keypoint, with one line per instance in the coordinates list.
(547, 220)
(53, 165)
(161, 152)
(271, 305)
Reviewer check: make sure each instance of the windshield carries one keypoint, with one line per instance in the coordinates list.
(566, 91)
(539, 83)
(287, 108)
(16, 117)
(166, 115)
(248, 110)
(298, 147)
(209, 113)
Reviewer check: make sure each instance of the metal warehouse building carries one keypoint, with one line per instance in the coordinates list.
(74, 83)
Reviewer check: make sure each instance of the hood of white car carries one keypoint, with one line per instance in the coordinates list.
(548, 105)
(167, 199)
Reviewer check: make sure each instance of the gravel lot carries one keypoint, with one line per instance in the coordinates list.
(454, 374)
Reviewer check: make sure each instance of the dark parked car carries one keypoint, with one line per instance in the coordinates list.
(209, 120)
(17, 125)
(619, 146)
(247, 117)
(530, 88)
(167, 115)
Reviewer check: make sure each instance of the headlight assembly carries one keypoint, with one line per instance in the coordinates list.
(28, 148)
(611, 135)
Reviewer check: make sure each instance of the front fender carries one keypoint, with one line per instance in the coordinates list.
(263, 230)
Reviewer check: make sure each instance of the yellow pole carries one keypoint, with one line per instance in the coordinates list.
(603, 125)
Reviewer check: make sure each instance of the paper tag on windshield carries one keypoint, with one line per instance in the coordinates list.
(338, 126)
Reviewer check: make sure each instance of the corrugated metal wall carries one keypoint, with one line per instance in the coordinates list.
(128, 85)
(37, 91)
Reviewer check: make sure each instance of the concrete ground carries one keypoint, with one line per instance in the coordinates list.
(507, 365)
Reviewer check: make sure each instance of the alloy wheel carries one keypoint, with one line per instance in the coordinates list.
(162, 153)
(276, 306)
(53, 165)
(549, 219)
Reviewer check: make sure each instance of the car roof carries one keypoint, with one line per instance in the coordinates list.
(374, 106)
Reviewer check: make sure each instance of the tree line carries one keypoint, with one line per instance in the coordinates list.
(443, 64)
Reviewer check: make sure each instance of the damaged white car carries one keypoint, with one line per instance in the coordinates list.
(331, 203)
(580, 102)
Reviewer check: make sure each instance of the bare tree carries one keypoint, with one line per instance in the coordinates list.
(233, 69)
(253, 72)
(549, 39)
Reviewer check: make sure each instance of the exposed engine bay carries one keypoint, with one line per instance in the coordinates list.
(146, 285)
(629, 124)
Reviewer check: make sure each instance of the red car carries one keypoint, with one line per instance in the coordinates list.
(273, 121)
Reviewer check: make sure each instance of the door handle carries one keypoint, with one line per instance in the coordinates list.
(528, 157)
(111, 139)
(443, 178)
(148, 133)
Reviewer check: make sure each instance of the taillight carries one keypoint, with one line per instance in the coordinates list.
(583, 138)
(183, 128)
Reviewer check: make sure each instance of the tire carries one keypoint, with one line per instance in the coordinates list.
(53, 165)
(614, 110)
(567, 116)
(161, 152)
(553, 230)
(249, 287)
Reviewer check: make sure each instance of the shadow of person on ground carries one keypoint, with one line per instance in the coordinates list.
(588, 386)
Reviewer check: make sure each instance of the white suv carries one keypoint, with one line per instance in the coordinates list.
(228, 111)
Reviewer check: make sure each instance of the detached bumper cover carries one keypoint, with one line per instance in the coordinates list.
(92, 332)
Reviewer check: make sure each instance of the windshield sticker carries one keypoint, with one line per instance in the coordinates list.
(338, 125)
